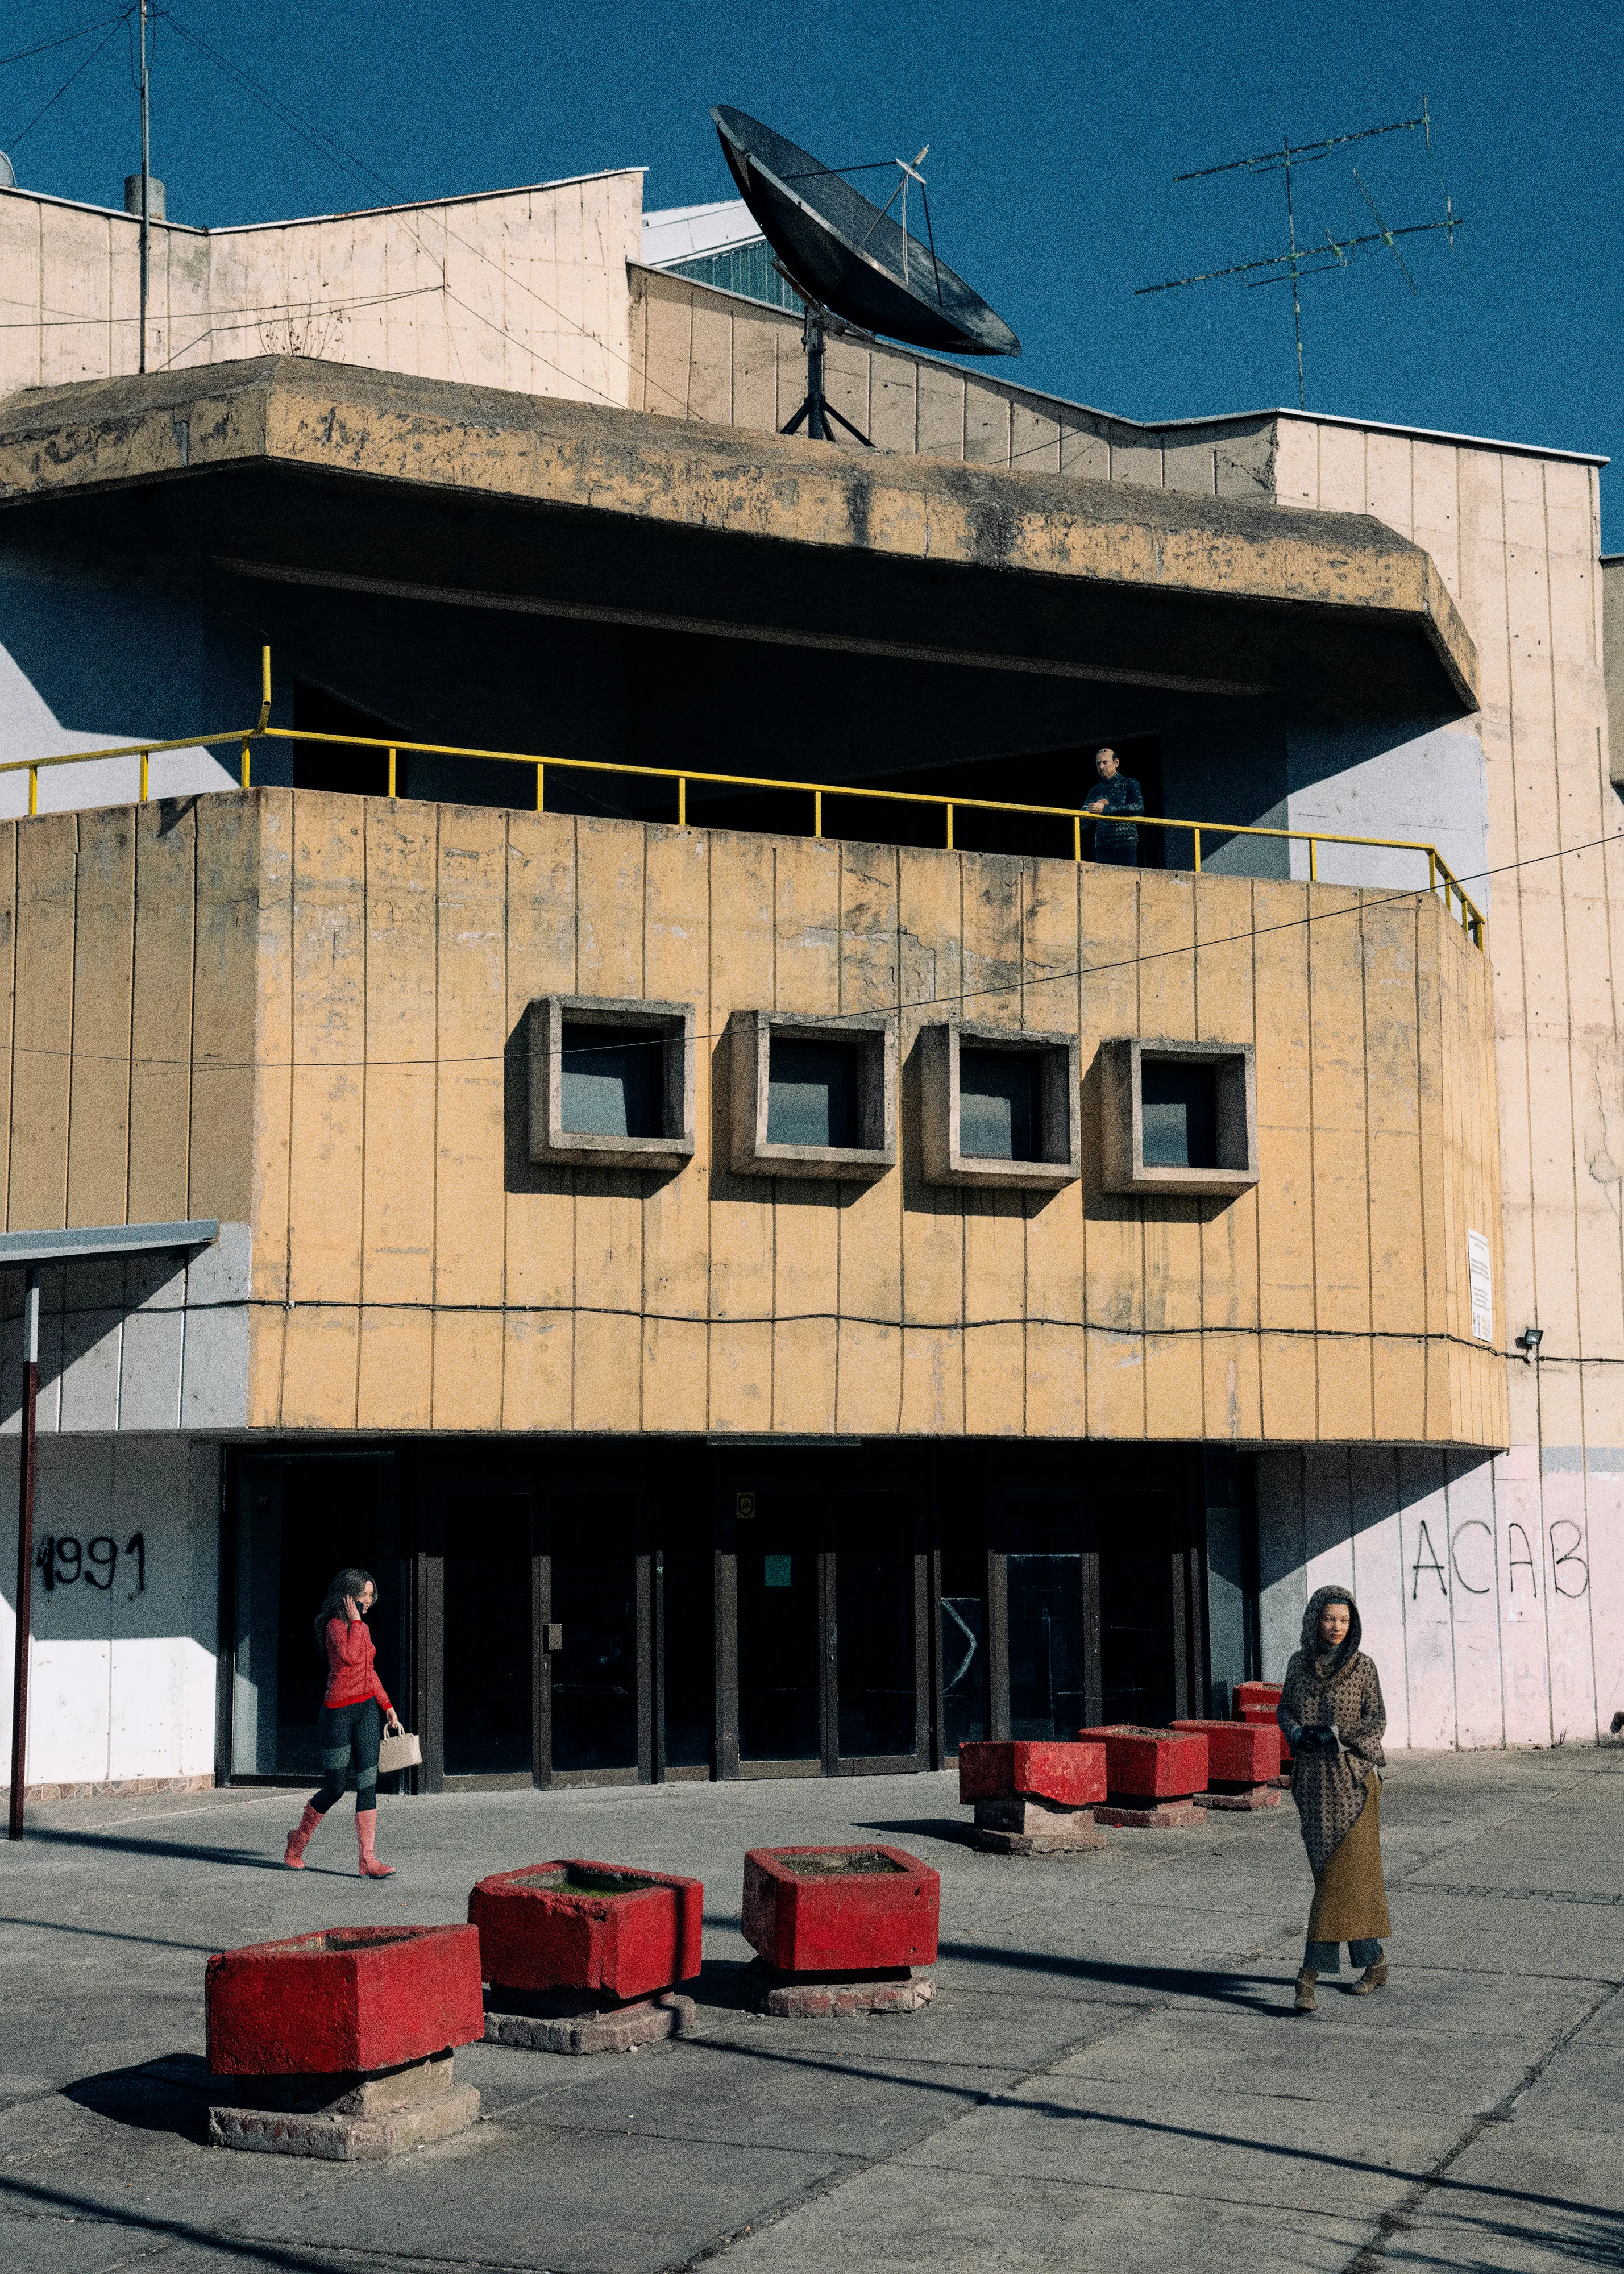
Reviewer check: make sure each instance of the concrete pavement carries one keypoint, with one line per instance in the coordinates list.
(1110, 2075)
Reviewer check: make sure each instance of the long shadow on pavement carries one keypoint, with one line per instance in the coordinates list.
(170, 2094)
(170, 1850)
(1217, 1988)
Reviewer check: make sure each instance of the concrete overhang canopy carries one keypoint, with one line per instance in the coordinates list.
(95, 1243)
(312, 473)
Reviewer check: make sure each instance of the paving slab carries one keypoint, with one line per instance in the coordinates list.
(1109, 2076)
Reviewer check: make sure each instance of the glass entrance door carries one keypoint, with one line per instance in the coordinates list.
(878, 1593)
(486, 1656)
(1047, 1679)
(299, 1519)
(780, 1631)
(592, 1633)
(1137, 1610)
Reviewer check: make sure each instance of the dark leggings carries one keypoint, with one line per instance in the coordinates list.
(1327, 1957)
(343, 1733)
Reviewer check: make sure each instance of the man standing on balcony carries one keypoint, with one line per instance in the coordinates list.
(1116, 835)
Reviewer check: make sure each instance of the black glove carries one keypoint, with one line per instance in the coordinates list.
(1320, 1739)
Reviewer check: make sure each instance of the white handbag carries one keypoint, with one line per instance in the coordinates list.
(401, 1750)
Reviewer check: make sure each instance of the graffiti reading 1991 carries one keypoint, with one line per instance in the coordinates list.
(62, 1560)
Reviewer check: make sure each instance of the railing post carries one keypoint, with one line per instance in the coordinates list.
(244, 766)
(950, 828)
(541, 788)
(818, 813)
(143, 758)
(1432, 870)
(681, 801)
(33, 789)
(1077, 836)
(1196, 835)
(392, 770)
(1313, 861)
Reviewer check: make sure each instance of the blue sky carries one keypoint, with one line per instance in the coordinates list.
(1055, 131)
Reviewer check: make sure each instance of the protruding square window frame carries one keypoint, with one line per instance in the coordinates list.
(939, 1126)
(749, 1047)
(550, 1142)
(1121, 1107)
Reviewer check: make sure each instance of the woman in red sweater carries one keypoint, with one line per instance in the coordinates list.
(352, 1718)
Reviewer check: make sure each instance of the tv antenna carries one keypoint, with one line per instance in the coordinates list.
(849, 261)
(1311, 259)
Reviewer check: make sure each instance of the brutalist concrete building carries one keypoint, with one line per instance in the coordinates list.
(776, 1261)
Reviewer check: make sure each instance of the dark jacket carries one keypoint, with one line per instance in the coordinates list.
(1123, 798)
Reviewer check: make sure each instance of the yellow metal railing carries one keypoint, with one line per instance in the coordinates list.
(1438, 870)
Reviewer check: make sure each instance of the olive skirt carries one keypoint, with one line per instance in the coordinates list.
(1350, 1902)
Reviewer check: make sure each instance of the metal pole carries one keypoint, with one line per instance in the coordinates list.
(817, 426)
(24, 1550)
(145, 188)
(1296, 288)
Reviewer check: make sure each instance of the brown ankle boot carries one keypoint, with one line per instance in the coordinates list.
(366, 1827)
(1374, 1977)
(1305, 1999)
(298, 1839)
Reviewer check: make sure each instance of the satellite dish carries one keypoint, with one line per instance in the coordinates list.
(849, 255)
(848, 258)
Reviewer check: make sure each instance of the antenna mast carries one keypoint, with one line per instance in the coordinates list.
(1311, 260)
(146, 186)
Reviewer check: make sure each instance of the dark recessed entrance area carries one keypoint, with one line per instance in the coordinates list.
(617, 1613)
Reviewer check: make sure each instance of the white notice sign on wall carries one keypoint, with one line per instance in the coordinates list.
(1482, 1286)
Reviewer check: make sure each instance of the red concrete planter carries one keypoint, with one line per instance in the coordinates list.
(840, 1910)
(1069, 1775)
(579, 1925)
(1246, 1694)
(1151, 1764)
(1263, 1717)
(1238, 1752)
(350, 1999)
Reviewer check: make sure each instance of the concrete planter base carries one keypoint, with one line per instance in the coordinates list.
(345, 2119)
(568, 2022)
(815, 1997)
(1249, 1798)
(1073, 1841)
(1149, 1815)
(1020, 1826)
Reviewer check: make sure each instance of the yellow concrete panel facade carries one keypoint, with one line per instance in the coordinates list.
(366, 969)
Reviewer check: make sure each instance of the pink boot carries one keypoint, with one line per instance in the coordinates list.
(366, 1827)
(298, 1839)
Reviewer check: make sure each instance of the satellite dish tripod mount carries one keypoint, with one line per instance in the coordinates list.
(817, 411)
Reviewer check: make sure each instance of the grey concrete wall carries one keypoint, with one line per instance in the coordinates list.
(1429, 787)
(1492, 1592)
(89, 660)
(122, 1670)
(135, 1344)
(521, 289)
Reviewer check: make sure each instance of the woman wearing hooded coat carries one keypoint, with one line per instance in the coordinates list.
(1331, 1710)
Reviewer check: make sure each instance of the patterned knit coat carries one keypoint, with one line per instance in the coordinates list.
(1346, 1690)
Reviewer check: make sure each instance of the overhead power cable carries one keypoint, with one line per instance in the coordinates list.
(14, 140)
(64, 38)
(361, 170)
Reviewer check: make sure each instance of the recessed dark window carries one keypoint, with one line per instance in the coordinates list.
(614, 1080)
(1180, 1109)
(811, 1092)
(1001, 1104)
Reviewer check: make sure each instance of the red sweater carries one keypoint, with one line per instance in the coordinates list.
(350, 1675)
